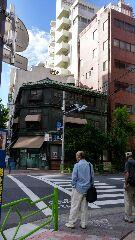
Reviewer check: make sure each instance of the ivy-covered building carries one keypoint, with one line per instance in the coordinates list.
(37, 123)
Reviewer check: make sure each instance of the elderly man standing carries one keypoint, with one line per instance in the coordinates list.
(129, 195)
(80, 183)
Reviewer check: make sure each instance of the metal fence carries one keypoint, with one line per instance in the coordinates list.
(14, 206)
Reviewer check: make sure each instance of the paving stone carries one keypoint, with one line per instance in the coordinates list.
(130, 236)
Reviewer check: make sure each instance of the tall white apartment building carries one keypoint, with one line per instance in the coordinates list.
(72, 16)
(51, 47)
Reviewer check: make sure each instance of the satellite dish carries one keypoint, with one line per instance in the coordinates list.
(22, 36)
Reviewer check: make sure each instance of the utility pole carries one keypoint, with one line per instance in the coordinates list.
(63, 133)
(3, 6)
(79, 109)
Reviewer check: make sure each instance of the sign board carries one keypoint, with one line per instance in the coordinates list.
(54, 155)
(58, 126)
(22, 36)
(1, 186)
(107, 166)
(48, 137)
(19, 61)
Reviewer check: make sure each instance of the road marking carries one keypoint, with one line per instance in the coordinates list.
(117, 179)
(32, 196)
(69, 189)
(109, 202)
(111, 190)
(110, 187)
(110, 195)
(64, 185)
(92, 205)
(57, 180)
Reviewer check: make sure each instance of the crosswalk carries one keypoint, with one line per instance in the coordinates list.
(108, 195)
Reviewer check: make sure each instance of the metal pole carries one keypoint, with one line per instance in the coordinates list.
(55, 206)
(3, 6)
(63, 133)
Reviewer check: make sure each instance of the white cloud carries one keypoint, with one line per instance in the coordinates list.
(37, 50)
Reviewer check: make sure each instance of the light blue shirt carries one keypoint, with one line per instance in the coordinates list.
(81, 176)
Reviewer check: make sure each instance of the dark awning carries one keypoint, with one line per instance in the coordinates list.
(29, 142)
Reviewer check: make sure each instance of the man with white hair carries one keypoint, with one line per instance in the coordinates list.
(80, 182)
(129, 195)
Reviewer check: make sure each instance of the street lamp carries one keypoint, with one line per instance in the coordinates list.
(79, 109)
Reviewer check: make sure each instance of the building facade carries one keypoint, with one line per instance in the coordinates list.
(107, 63)
(51, 47)
(19, 77)
(36, 139)
(72, 16)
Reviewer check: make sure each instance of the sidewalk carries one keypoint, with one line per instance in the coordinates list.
(103, 224)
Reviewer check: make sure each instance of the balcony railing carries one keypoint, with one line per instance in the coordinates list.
(62, 61)
(64, 23)
(62, 36)
(62, 49)
(64, 12)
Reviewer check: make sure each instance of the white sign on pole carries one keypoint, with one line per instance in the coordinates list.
(19, 61)
(22, 36)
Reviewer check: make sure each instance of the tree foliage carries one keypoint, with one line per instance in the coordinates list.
(3, 115)
(86, 138)
(122, 129)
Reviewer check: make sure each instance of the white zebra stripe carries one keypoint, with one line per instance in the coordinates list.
(110, 195)
(92, 205)
(109, 202)
(111, 190)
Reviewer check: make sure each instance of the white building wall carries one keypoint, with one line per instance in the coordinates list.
(94, 71)
(37, 73)
(95, 52)
(78, 10)
(81, 14)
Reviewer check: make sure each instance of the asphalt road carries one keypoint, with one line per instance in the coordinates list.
(109, 187)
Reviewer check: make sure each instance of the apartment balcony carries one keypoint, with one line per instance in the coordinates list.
(51, 51)
(62, 61)
(64, 12)
(52, 32)
(62, 36)
(63, 71)
(52, 44)
(53, 24)
(64, 23)
(62, 49)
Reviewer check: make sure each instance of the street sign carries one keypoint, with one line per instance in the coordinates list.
(59, 126)
(19, 61)
(22, 36)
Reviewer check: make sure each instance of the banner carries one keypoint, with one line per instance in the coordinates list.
(3, 136)
(1, 186)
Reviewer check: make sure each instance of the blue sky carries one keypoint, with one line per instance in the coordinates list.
(36, 15)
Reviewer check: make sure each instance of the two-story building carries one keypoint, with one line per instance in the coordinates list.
(36, 138)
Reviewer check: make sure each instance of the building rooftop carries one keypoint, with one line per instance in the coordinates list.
(63, 86)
